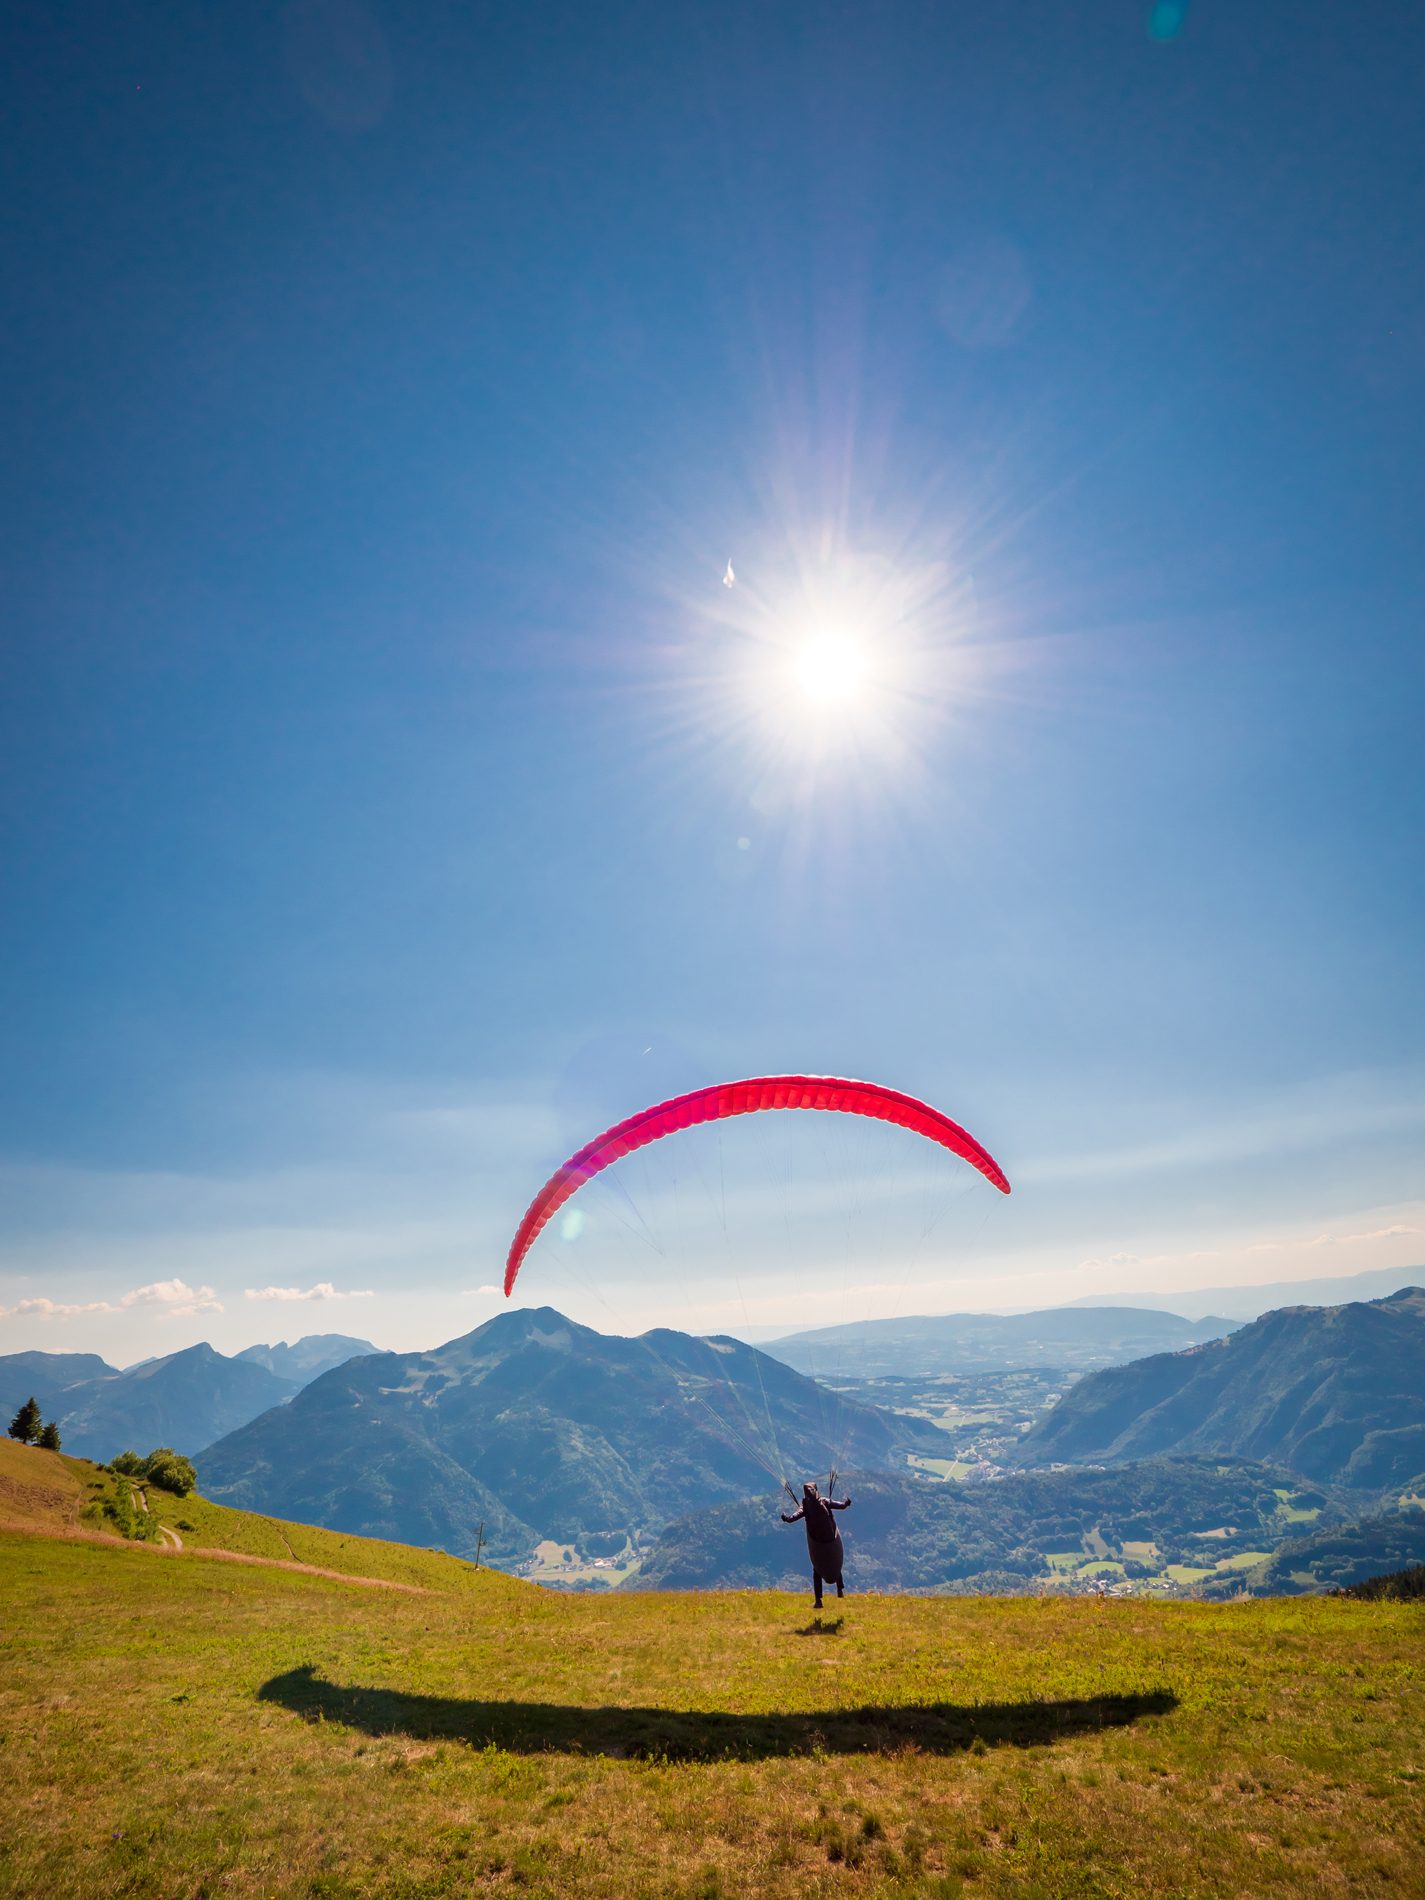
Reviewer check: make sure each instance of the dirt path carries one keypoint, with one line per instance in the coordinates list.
(222, 1556)
(171, 1538)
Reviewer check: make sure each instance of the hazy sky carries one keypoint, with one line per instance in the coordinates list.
(392, 791)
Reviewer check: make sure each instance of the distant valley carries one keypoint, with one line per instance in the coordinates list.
(1169, 1527)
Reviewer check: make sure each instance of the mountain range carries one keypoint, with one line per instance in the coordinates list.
(1065, 1337)
(545, 1430)
(307, 1359)
(1335, 1393)
(184, 1400)
(1250, 1302)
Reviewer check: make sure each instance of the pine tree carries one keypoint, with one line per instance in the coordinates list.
(49, 1437)
(26, 1425)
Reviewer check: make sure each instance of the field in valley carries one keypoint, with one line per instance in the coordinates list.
(174, 1723)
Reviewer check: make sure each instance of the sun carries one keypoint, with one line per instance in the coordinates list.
(829, 670)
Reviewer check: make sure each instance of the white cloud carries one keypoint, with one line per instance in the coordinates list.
(176, 1297)
(181, 1300)
(323, 1290)
(480, 1292)
(53, 1309)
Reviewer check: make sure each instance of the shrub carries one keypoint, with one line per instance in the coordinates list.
(170, 1471)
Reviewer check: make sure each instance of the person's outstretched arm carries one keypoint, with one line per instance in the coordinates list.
(798, 1513)
(844, 1504)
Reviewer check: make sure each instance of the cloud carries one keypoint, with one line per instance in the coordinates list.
(1288, 1244)
(1359, 1107)
(1376, 1233)
(180, 1299)
(175, 1297)
(480, 1292)
(323, 1290)
(53, 1309)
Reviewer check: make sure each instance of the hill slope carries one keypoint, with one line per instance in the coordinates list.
(219, 1728)
(1336, 1393)
(59, 1496)
(1071, 1337)
(544, 1429)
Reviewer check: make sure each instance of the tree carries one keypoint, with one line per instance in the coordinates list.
(170, 1471)
(26, 1424)
(49, 1437)
(128, 1464)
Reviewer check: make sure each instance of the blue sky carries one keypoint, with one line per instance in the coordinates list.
(391, 792)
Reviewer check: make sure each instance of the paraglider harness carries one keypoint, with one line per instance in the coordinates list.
(800, 1507)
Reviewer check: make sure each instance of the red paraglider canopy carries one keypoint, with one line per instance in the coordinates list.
(725, 1099)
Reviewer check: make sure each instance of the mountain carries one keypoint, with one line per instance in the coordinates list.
(1336, 1393)
(1165, 1522)
(1062, 1336)
(546, 1430)
(1250, 1302)
(44, 1375)
(184, 1400)
(309, 1358)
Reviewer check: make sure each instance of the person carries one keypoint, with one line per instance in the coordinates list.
(824, 1545)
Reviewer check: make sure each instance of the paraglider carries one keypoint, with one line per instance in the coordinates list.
(825, 1093)
(824, 1546)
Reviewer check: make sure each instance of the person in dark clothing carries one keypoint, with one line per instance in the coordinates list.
(824, 1545)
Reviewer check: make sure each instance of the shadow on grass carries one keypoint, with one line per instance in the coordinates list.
(531, 1728)
(817, 1627)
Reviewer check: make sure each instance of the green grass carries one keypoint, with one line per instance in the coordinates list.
(183, 1726)
(1295, 1513)
(46, 1490)
(214, 1526)
(1244, 1560)
(948, 1468)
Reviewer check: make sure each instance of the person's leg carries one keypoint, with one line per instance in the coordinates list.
(816, 1586)
(840, 1588)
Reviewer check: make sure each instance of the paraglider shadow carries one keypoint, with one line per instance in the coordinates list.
(534, 1728)
(817, 1627)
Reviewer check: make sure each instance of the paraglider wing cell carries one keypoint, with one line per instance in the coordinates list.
(827, 1093)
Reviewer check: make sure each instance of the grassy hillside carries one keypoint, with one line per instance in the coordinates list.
(62, 1496)
(185, 1725)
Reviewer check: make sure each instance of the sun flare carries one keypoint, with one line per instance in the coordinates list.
(829, 670)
